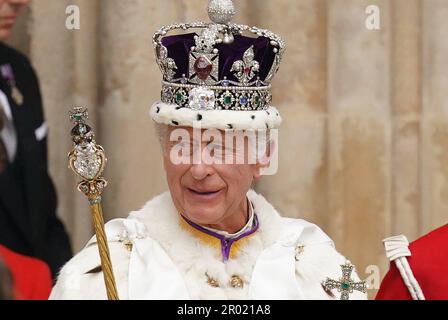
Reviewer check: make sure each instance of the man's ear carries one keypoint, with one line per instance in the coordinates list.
(264, 160)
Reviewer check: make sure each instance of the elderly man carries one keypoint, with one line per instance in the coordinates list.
(211, 236)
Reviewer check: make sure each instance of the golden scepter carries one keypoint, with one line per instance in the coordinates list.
(87, 160)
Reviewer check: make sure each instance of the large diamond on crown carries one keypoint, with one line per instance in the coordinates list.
(201, 98)
(204, 68)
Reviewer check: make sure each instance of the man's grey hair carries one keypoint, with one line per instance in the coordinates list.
(162, 131)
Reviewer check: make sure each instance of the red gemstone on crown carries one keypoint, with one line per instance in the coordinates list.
(203, 67)
(246, 70)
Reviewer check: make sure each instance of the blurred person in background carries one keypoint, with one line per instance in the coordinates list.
(22, 277)
(28, 221)
(6, 291)
(417, 270)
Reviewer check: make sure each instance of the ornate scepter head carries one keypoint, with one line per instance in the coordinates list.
(87, 159)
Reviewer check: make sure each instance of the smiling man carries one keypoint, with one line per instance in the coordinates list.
(211, 236)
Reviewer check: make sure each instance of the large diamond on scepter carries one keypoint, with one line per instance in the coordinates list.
(87, 160)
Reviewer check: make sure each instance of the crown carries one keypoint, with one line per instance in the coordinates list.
(217, 65)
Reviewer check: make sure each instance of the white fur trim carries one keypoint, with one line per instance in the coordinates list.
(194, 259)
(171, 114)
(76, 283)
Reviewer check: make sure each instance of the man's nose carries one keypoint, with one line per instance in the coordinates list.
(201, 170)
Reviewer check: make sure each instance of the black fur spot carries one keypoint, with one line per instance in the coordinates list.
(95, 270)
(199, 117)
(229, 126)
(252, 117)
(175, 122)
(158, 110)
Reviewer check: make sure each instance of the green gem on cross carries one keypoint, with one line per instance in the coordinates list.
(345, 285)
(78, 114)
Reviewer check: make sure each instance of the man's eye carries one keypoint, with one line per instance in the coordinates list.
(186, 144)
(218, 148)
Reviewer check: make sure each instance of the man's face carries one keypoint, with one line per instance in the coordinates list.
(9, 10)
(207, 193)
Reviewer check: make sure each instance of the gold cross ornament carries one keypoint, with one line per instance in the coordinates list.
(78, 115)
(345, 285)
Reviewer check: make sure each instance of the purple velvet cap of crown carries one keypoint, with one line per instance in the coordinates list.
(179, 47)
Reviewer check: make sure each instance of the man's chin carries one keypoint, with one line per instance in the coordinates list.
(203, 215)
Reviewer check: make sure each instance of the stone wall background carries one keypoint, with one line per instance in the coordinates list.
(364, 144)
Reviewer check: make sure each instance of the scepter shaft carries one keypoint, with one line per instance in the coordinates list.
(106, 263)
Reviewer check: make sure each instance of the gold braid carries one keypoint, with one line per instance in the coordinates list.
(103, 248)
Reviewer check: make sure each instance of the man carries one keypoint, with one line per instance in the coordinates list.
(210, 236)
(28, 221)
(419, 270)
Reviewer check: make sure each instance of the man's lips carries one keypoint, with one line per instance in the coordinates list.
(204, 193)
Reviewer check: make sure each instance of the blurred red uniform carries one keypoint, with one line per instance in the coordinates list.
(429, 264)
(32, 277)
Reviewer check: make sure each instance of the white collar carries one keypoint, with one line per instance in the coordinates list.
(247, 226)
